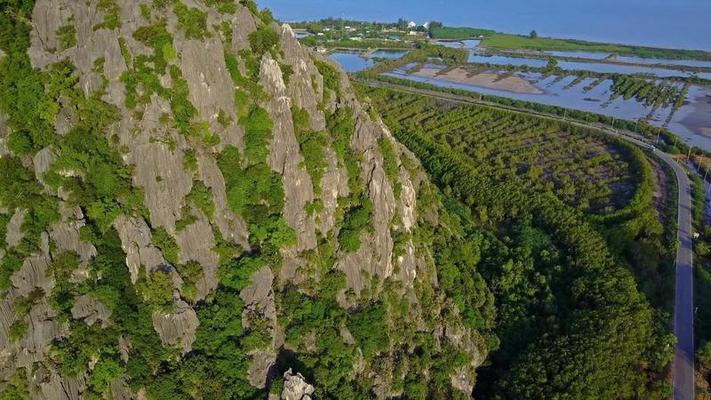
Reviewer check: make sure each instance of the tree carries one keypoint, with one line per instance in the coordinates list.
(314, 27)
(533, 34)
(552, 64)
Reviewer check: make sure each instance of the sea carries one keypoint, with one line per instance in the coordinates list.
(659, 23)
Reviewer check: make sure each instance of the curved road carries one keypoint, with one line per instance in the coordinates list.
(683, 369)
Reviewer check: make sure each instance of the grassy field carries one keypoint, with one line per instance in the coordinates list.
(457, 33)
(516, 42)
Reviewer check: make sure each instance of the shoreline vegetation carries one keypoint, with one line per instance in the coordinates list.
(358, 34)
(506, 41)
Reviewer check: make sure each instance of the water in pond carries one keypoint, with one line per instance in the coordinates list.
(471, 43)
(703, 75)
(302, 34)
(652, 61)
(351, 62)
(620, 69)
(584, 66)
(460, 44)
(391, 54)
(451, 44)
(592, 55)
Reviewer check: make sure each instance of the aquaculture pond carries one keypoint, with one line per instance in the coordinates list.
(592, 55)
(626, 69)
(390, 54)
(599, 67)
(660, 61)
(460, 44)
(351, 62)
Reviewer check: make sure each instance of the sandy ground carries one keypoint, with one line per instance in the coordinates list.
(489, 80)
(699, 120)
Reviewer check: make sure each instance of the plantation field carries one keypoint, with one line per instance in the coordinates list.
(587, 171)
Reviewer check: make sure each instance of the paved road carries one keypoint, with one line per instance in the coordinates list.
(683, 371)
(684, 296)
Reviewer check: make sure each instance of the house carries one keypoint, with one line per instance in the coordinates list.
(412, 24)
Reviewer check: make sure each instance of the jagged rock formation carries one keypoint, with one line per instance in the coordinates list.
(232, 171)
(296, 387)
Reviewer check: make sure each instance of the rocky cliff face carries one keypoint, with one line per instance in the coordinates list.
(203, 188)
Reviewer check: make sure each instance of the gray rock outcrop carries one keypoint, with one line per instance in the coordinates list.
(296, 387)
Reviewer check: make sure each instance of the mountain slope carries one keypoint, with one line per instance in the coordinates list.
(193, 204)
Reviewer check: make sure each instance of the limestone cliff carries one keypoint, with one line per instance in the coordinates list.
(208, 205)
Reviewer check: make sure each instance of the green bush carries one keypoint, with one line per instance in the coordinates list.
(263, 40)
(190, 161)
(191, 272)
(257, 194)
(313, 146)
(251, 6)
(156, 37)
(16, 387)
(67, 36)
(257, 134)
(357, 219)
(157, 290)
(18, 330)
(112, 15)
(165, 241)
(183, 109)
(223, 6)
(331, 76)
(369, 328)
(201, 196)
(192, 21)
(105, 372)
(387, 149)
(341, 126)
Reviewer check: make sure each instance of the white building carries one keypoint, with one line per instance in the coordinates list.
(412, 24)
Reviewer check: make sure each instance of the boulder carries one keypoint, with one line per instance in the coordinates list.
(296, 387)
